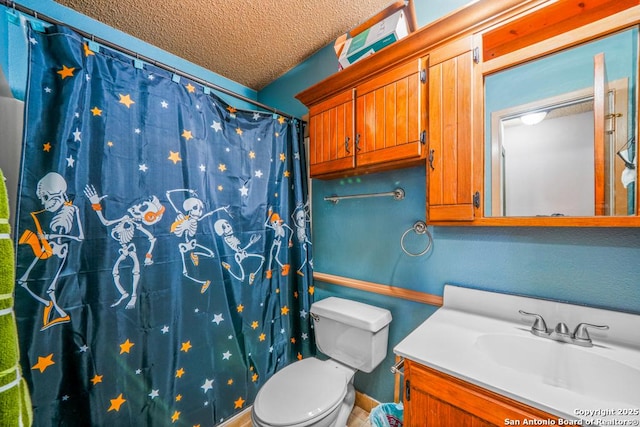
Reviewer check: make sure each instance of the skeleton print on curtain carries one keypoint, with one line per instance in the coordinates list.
(164, 259)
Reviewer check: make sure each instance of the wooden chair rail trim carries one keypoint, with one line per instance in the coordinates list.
(380, 289)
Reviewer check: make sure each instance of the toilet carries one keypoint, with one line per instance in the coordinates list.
(320, 393)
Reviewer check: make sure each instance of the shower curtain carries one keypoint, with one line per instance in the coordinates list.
(163, 251)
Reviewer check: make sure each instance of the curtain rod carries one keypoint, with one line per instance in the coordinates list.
(121, 49)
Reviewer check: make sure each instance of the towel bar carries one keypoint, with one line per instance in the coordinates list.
(397, 194)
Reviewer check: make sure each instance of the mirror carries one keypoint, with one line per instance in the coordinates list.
(560, 133)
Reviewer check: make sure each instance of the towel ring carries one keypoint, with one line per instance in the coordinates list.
(420, 228)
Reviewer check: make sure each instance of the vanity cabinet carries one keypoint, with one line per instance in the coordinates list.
(435, 399)
(450, 192)
(378, 124)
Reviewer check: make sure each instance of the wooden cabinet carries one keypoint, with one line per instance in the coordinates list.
(435, 399)
(372, 115)
(331, 134)
(378, 124)
(390, 116)
(450, 192)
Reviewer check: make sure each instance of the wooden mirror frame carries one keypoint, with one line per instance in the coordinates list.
(544, 30)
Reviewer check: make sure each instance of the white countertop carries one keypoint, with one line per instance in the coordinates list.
(481, 338)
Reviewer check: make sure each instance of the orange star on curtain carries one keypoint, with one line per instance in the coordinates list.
(186, 346)
(96, 379)
(186, 134)
(116, 403)
(180, 373)
(44, 363)
(190, 88)
(46, 146)
(174, 156)
(125, 347)
(86, 49)
(175, 417)
(126, 100)
(66, 72)
(96, 111)
(238, 403)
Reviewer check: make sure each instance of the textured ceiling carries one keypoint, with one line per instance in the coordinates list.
(252, 42)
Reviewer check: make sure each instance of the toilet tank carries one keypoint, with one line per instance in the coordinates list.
(351, 332)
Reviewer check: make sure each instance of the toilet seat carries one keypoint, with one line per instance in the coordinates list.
(301, 393)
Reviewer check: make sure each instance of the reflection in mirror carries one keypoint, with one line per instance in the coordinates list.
(553, 143)
(560, 133)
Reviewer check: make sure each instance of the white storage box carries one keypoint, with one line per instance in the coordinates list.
(374, 38)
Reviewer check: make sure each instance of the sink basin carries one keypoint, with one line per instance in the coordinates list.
(578, 369)
(482, 338)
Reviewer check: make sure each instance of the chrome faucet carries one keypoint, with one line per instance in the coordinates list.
(580, 335)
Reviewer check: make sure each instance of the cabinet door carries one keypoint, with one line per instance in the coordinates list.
(433, 398)
(331, 142)
(449, 161)
(390, 116)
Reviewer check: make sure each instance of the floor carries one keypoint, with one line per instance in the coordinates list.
(358, 418)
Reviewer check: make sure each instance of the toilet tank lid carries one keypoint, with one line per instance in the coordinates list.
(352, 313)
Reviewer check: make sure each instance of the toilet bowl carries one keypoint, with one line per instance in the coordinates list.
(310, 392)
(320, 393)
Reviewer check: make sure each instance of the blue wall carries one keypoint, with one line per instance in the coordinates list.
(360, 238)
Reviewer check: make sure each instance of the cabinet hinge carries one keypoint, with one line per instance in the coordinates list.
(407, 391)
(476, 55)
(423, 75)
(423, 137)
(476, 199)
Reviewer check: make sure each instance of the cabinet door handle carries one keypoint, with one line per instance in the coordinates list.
(358, 142)
(431, 153)
(346, 145)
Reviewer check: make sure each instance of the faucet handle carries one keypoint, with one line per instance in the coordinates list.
(562, 329)
(539, 326)
(581, 331)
